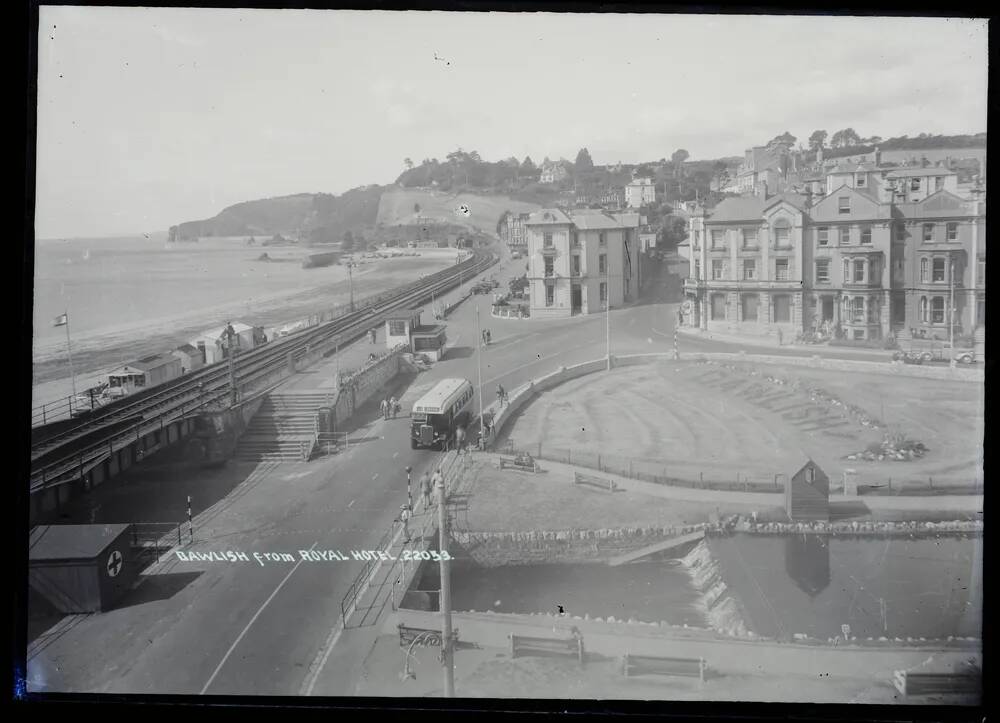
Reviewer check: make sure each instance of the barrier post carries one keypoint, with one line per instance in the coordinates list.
(190, 522)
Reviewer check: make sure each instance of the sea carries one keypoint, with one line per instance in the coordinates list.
(114, 288)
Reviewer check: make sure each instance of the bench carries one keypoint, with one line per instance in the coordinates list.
(655, 665)
(908, 683)
(586, 479)
(408, 634)
(528, 645)
(528, 465)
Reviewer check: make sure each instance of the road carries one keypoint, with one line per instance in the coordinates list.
(243, 628)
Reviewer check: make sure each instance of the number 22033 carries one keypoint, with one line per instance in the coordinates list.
(426, 555)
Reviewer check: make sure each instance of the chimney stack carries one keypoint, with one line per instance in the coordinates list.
(878, 156)
(762, 190)
(809, 195)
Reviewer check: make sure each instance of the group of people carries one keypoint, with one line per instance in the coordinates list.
(427, 484)
(390, 406)
(487, 337)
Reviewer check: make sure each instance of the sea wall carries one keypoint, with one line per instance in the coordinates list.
(218, 432)
(362, 385)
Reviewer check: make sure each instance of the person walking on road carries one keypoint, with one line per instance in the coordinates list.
(501, 394)
(404, 516)
(425, 489)
(383, 406)
(460, 439)
(489, 337)
(438, 479)
(393, 406)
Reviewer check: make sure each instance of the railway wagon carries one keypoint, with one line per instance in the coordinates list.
(438, 414)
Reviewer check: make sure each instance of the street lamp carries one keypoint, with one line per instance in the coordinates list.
(408, 674)
(350, 281)
(409, 493)
(479, 376)
(445, 599)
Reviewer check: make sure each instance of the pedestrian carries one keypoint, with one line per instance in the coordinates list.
(501, 394)
(489, 337)
(385, 408)
(484, 337)
(438, 479)
(460, 439)
(393, 404)
(425, 489)
(404, 516)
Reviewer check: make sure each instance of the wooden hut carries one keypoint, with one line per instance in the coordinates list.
(807, 495)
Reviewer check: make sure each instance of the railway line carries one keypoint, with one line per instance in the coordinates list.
(64, 451)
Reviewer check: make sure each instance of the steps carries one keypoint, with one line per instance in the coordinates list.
(284, 428)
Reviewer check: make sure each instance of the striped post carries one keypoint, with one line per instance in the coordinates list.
(190, 522)
(676, 353)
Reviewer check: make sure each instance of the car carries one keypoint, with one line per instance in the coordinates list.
(966, 357)
(483, 287)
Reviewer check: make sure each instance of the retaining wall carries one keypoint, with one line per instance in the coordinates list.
(361, 386)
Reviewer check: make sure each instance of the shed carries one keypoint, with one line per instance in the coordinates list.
(81, 568)
(807, 495)
(399, 323)
(213, 341)
(144, 372)
(429, 340)
(191, 357)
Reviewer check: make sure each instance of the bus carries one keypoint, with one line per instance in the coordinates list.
(440, 412)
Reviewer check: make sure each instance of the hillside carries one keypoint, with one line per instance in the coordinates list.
(310, 217)
(399, 207)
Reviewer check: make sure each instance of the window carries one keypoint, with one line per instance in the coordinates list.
(937, 310)
(844, 204)
(716, 268)
(718, 307)
(952, 231)
(750, 304)
(140, 380)
(549, 269)
(938, 183)
(873, 311)
(859, 271)
(900, 232)
(823, 271)
(547, 240)
(823, 235)
(845, 235)
(749, 237)
(717, 239)
(602, 238)
(847, 270)
(898, 307)
(697, 239)
(866, 234)
(781, 235)
(550, 295)
(859, 334)
(602, 264)
(781, 269)
(749, 269)
(924, 270)
(859, 180)
(923, 309)
(938, 270)
(782, 308)
(981, 272)
(810, 475)
(914, 184)
(604, 292)
(697, 268)
(575, 239)
(576, 265)
(397, 328)
(857, 310)
(928, 232)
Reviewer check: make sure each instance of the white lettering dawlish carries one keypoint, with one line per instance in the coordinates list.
(211, 556)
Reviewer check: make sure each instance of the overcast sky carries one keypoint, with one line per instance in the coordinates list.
(150, 117)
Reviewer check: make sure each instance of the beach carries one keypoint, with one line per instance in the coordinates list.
(130, 297)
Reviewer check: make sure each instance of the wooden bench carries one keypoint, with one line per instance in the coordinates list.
(431, 636)
(655, 665)
(600, 483)
(910, 683)
(528, 645)
(519, 463)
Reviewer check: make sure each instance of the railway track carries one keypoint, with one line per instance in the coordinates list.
(63, 451)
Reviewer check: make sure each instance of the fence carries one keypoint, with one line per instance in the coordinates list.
(156, 537)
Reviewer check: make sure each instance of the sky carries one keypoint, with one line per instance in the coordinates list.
(148, 117)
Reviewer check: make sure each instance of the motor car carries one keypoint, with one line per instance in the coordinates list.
(966, 356)
(483, 287)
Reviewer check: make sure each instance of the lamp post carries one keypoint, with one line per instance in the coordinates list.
(951, 304)
(445, 598)
(409, 493)
(350, 281)
(231, 348)
(479, 377)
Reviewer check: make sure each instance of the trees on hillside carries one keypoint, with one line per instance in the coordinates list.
(584, 161)
(785, 139)
(348, 244)
(845, 137)
(817, 139)
(677, 158)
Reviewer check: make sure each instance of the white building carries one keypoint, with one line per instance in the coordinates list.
(553, 173)
(213, 342)
(640, 192)
(579, 260)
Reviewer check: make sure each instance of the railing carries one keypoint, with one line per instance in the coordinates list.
(156, 537)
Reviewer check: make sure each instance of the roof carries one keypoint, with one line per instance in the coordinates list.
(942, 204)
(795, 199)
(441, 396)
(910, 172)
(61, 542)
(187, 349)
(150, 362)
(587, 221)
(738, 208)
(547, 216)
(431, 330)
(404, 314)
(238, 326)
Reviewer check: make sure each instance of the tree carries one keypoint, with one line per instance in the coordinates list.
(528, 165)
(408, 163)
(678, 157)
(584, 161)
(785, 139)
(817, 139)
(348, 244)
(416, 208)
(845, 138)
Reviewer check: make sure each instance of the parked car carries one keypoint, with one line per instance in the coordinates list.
(483, 287)
(966, 356)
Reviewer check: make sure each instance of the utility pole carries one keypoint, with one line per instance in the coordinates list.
(479, 377)
(350, 281)
(445, 598)
(951, 306)
(607, 302)
(230, 333)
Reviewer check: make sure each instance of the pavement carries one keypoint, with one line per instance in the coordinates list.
(269, 629)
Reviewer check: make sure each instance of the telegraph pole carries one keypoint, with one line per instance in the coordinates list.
(951, 306)
(447, 651)
(230, 332)
(479, 377)
(607, 308)
(350, 281)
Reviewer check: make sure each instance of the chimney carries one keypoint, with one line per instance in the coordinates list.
(809, 195)
(878, 156)
(762, 190)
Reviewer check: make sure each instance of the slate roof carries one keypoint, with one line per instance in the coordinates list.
(591, 221)
(62, 542)
(547, 216)
(911, 172)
